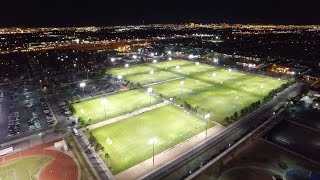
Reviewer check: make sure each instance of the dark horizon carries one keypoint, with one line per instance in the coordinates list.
(103, 13)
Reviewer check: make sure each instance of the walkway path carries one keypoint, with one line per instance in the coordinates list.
(125, 116)
(165, 157)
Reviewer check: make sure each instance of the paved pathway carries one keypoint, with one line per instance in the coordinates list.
(165, 157)
(93, 157)
(125, 116)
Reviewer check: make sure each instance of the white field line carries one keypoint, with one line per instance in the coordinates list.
(125, 116)
(160, 82)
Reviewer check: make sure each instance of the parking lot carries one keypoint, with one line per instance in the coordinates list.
(23, 110)
(91, 88)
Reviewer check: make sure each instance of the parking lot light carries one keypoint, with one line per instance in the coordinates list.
(83, 85)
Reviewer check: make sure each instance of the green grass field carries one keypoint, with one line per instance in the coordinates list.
(215, 90)
(129, 141)
(22, 168)
(116, 104)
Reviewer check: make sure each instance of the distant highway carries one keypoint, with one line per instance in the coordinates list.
(255, 118)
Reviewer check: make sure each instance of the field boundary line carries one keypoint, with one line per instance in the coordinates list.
(164, 81)
(125, 116)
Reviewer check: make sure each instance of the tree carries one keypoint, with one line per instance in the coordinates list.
(98, 147)
(107, 156)
(235, 115)
(93, 140)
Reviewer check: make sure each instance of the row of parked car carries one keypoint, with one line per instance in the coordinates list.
(46, 110)
(14, 127)
(63, 109)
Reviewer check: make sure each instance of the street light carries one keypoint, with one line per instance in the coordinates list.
(104, 102)
(88, 73)
(206, 117)
(153, 141)
(149, 91)
(82, 85)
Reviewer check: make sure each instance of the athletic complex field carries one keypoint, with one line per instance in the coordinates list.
(39, 162)
(215, 90)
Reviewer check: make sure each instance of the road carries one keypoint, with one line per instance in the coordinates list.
(253, 118)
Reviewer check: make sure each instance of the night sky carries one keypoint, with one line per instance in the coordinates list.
(120, 12)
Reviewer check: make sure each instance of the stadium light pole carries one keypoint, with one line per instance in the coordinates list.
(151, 73)
(181, 84)
(235, 107)
(261, 88)
(206, 117)
(153, 141)
(104, 102)
(83, 85)
(149, 90)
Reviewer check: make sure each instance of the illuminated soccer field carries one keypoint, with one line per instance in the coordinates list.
(129, 142)
(102, 108)
(215, 90)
